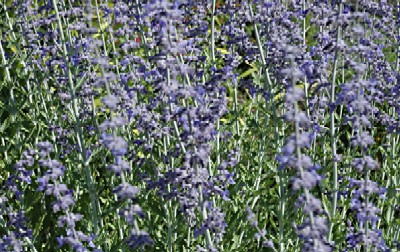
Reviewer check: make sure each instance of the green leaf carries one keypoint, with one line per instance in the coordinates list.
(248, 72)
(327, 204)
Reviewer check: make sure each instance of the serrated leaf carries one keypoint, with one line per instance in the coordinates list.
(5, 124)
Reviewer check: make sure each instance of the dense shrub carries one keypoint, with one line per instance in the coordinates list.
(199, 125)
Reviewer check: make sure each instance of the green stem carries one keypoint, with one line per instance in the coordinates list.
(268, 86)
(332, 131)
(213, 62)
(393, 180)
(78, 128)
(305, 87)
(204, 214)
(298, 155)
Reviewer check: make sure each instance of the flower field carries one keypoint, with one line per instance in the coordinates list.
(181, 125)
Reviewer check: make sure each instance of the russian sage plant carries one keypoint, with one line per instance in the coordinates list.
(179, 125)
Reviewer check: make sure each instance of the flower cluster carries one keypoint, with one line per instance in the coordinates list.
(125, 191)
(359, 95)
(17, 223)
(50, 184)
(314, 229)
